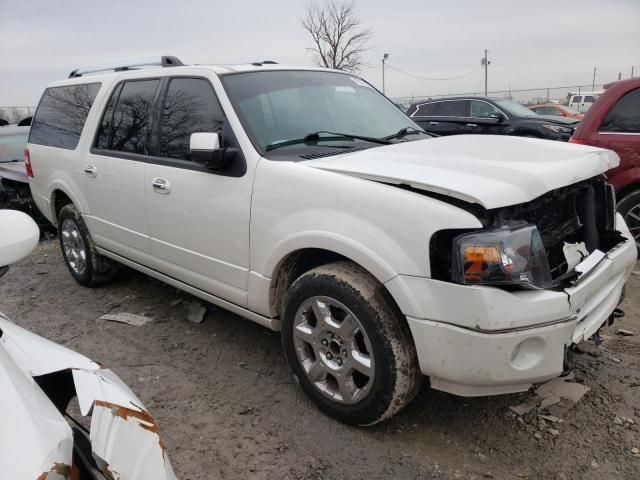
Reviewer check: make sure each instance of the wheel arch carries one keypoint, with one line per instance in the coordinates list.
(59, 197)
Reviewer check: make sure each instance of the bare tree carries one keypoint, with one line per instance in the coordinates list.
(339, 36)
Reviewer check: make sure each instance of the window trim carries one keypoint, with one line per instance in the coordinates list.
(610, 109)
(457, 100)
(85, 120)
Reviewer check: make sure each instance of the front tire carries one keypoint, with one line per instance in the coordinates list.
(348, 344)
(86, 266)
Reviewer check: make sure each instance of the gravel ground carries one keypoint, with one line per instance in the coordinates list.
(228, 408)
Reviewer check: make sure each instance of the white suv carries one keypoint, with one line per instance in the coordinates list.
(302, 199)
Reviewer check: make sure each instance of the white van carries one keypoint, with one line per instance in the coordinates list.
(304, 200)
(582, 101)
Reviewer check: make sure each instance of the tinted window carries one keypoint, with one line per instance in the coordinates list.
(190, 106)
(126, 127)
(482, 109)
(589, 98)
(457, 108)
(577, 99)
(625, 115)
(426, 110)
(61, 115)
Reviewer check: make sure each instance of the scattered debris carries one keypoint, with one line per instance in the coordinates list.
(246, 411)
(616, 360)
(594, 464)
(554, 432)
(618, 421)
(128, 318)
(551, 400)
(524, 408)
(196, 312)
(560, 387)
(551, 418)
(538, 435)
(625, 333)
(635, 452)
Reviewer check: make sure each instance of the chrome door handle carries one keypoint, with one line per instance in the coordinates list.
(472, 124)
(434, 123)
(160, 185)
(91, 171)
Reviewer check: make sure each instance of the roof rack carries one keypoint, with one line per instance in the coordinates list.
(165, 61)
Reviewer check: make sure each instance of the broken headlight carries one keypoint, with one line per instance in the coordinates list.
(505, 256)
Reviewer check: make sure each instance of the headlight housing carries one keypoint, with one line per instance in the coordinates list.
(557, 128)
(505, 256)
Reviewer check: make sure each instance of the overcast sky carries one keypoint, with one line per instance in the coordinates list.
(533, 43)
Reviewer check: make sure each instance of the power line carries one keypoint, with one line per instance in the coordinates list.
(433, 79)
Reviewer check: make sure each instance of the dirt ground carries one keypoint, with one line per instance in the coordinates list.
(228, 407)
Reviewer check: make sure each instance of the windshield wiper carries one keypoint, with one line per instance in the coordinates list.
(316, 136)
(403, 132)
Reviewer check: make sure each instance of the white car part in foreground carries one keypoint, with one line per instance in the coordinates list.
(36, 442)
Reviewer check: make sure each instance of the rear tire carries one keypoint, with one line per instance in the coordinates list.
(348, 344)
(86, 266)
(629, 208)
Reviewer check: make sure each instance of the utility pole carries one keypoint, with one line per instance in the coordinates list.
(631, 72)
(619, 75)
(485, 63)
(593, 84)
(384, 59)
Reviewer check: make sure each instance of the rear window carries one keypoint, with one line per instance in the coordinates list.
(61, 115)
(624, 117)
(456, 108)
(426, 110)
(125, 125)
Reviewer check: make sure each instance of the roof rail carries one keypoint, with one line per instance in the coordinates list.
(264, 62)
(165, 61)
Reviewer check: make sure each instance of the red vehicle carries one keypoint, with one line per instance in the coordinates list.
(613, 122)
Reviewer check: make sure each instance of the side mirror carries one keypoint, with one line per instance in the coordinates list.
(19, 235)
(206, 148)
(497, 116)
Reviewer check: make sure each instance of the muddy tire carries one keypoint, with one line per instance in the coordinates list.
(348, 344)
(86, 266)
(629, 208)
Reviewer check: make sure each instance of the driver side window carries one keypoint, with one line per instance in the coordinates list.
(482, 109)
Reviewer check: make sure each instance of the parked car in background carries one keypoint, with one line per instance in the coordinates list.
(614, 123)
(380, 253)
(39, 438)
(583, 101)
(461, 115)
(557, 110)
(14, 183)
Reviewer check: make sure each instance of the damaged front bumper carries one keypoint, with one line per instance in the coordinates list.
(474, 340)
(38, 378)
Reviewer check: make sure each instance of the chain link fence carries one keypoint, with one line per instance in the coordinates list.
(528, 96)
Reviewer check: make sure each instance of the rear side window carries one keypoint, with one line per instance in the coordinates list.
(126, 122)
(426, 110)
(589, 98)
(624, 117)
(456, 108)
(61, 115)
(577, 99)
(189, 106)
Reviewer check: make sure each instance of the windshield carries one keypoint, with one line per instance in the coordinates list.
(13, 141)
(515, 108)
(283, 106)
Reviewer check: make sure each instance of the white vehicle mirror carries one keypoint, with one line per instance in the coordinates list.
(206, 148)
(19, 235)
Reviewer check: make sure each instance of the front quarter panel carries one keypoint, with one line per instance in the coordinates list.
(383, 228)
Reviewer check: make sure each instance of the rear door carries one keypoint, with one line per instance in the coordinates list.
(620, 130)
(114, 170)
(426, 115)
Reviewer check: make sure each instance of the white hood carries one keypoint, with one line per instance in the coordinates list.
(491, 170)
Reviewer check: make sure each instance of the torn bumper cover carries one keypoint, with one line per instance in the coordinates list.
(38, 378)
(478, 340)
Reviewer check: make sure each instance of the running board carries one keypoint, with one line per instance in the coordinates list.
(270, 323)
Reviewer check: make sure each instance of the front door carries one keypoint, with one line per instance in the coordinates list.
(198, 219)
